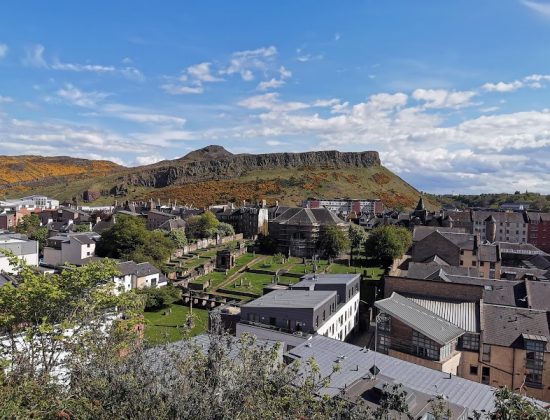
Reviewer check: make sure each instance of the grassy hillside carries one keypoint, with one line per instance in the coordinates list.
(21, 174)
(65, 179)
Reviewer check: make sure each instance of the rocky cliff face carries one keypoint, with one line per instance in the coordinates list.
(183, 171)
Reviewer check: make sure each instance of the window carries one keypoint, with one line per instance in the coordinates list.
(470, 342)
(316, 321)
(473, 263)
(492, 266)
(461, 252)
(384, 343)
(473, 370)
(423, 347)
(324, 315)
(481, 263)
(486, 357)
(485, 375)
(534, 362)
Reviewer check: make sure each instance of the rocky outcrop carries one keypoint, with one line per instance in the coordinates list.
(233, 166)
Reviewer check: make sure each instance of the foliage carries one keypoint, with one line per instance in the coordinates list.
(160, 297)
(439, 408)
(52, 322)
(225, 229)
(388, 242)
(333, 241)
(203, 226)
(30, 225)
(129, 239)
(510, 405)
(178, 238)
(85, 227)
(394, 399)
(536, 201)
(357, 237)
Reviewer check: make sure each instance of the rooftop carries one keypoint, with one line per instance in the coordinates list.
(296, 299)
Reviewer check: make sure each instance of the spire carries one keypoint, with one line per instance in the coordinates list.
(420, 205)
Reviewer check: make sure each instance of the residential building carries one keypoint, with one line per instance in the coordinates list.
(325, 304)
(345, 206)
(156, 218)
(250, 221)
(72, 248)
(23, 248)
(500, 226)
(137, 276)
(297, 230)
(539, 230)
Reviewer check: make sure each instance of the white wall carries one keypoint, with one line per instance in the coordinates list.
(342, 323)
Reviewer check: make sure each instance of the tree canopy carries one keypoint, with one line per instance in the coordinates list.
(357, 237)
(333, 241)
(30, 225)
(386, 243)
(129, 239)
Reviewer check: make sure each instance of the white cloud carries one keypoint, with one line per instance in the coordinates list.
(34, 56)
(542, 8)
(274, 83)
(502, 86)
(441, 98)
(3, 50)
(174, 89)
(248, 61)
(274, 143)
(80, 98)
(202, 73)
(5, 99)
(271, 102)
(148, 160)
(337, 36)
(140, 115)
(304, 57)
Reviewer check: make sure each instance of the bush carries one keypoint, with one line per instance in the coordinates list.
(161, 297)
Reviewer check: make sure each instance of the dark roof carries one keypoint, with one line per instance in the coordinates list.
(146, 269)
(173, 224)
(296, 299)
(420, 232)
(499, 216)
(85, 239)
(519, 249)
(459, 216)
(431, 270)
(127, 268)
(503, 292)
(489, 252)
(504, 325)
(301, 216)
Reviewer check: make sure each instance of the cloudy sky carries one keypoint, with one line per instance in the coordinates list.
(455, 95)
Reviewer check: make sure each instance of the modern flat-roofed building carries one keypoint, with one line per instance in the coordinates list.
(21, 247)
(346, 205)
(72, 248)
(32, 202)
(318, 304)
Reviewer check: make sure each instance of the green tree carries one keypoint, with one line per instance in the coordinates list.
(510, 405)
(129, 239)
(203, 226)
(333, 241)
(386, 243)
(178, 238)
(357, 237)
(85, 227)
(30, 225)
(160, 297)
(225, 229)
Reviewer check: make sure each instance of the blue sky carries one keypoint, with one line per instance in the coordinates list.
(455, 95)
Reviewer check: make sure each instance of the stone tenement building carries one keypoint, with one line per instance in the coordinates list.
(250, 221)
(296, 230)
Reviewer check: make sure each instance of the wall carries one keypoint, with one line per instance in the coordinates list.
(465, 292)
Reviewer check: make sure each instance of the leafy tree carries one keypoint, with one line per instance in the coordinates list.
(225, 229)
(85, 227)
(510, 405)
(160, 297)
(333, 241)
(266, 244)
(203, 226)
(357, 237)
(30, 225)
(178, 238)
(388, 242)
(129, 239)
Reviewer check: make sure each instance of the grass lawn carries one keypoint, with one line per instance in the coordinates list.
(271, 265)
(161, 328)
(299, 268)
(257, 282)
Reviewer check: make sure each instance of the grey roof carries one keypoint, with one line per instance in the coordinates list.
(419, 318)
(503, 292)
(433, 270)
(462, 314)
(173, 224)
(489, 252)
(307, 216)
(312, 279)
(538, 294)
(504, 325)
(355, 362)
(85, 238)
(420, 232)
(140, 270)
(519, 248)
(297, 299)
(499, 216)
(126, 268)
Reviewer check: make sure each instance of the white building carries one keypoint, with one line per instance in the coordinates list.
(72, 248)
(20, 246)
(32, 202)
(346, 206)
(138, 276)
(326, 304)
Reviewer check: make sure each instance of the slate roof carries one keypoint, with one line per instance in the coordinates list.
(419, 318)
(85, 239)
(459, 216)
(504, 325)
(355, 362)
(519, 249)
(504, 292)
(420, 232)
(308, 217)
(173, 224)
(126, 268)
(489, 252)
(538, 295)
(140, 270)
(296, 299)
(499, 216)
(431, 270)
